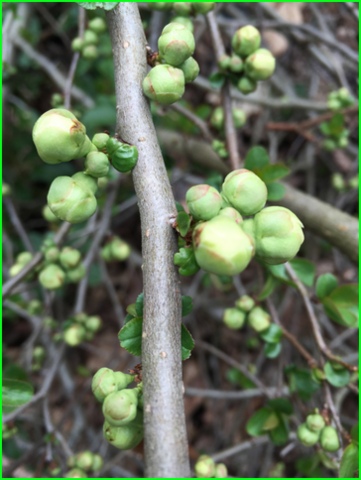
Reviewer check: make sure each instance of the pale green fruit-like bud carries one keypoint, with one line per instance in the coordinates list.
(190, 69)
(306, 436)
(39, 353)
(342, 142)
(52, 254)
(315, 422)
(70, 201)
(235, 64)
(96, 164)
(176, 44)
(74, 275)
(234, 318)
(74, 335)
(329, 144)
(127, 436)
(93, 323)
(90, 38)
(90, 52)
(260, 65)
(259, 319)
(122, 380)
(246, 40)
(15, 269)
(354, 182)
(69, 257)
(279, 235)
(232, 213)
(245, 303)
(97, 462)
(86, 181)
(24, 258)
(119, 250)
(6, 190)
(205, 467)
(49, 216)
(248, 227)
(329, 439)
(182, 8)
(59, 136)
(76, 473)
(164, 84)
(52, 277)
(34, 307)
(203, 7)
(104, 383)
(338, 182)
(245, 191)
(246, 85)
(239, 117)
(204, 202)
(120, 408)
(224, 62)
(84, 460)
(100, 140)
(217, 118)
(77, 44)
(185, 21)
(221, 247)
(221, 471)
(97, 25)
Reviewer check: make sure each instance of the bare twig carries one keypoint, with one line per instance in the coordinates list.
(15, 220)
(239, 395)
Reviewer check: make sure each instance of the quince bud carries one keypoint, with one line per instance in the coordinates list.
(259, 319)
(245, 191)
(96, 164)
(74, 335)
(122, 380)
(52, 254)
(278, 236)
(24, 258)
(100, 140)
(35, 307)
(69, 257)
(260, 65)
(59, 136)
(74, 275)
(248, 227)
(127, 436)
(86, 181)
(70, 201)
(97, 462)
(239, 117)
(104, 383)
(232, 213)
(245, 303)
(90, 38)
(76, 473)
(186, 261)
(315, 422)
(204, 467)
(221, 471)
(93, 323)
(235, 64)
(48, 215)
(217, 118)
(224, 62)
(164, 84)
(97, 25)
(90, 52)
(77, 44)
(221, 247)
(52, 277)
(119, 250)
(246, 40)
(122, 156)
(182, 8)
(176, 44)
(120, 408)
(234, 318)
(329, 439)
(84, 460)
(246, 85)
(203, 7)
(6, 190)
(306, 436)
(204, 202)
(187, 22)
(190, 69)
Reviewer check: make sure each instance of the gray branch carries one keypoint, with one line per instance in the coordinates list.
(166, 453)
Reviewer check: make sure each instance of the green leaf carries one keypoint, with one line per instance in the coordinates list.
(187, 305)
(272, 350)
(131, 310)
(186, 261)
(355, 433)
(94, 5)
(128, 317)
(325, 284)
(279, 272)
(257, 157)
(309, 466)
(183, 223)
(139, 305)
(281, 405)
(270, 284)
(336, 125)
(337, 377)
(279, 435)
(254, 426)
(236, 377)
(15, 393)
(305, 270)
(341, 305)
(187, 342)
(217, 80)
(301, 382)
(325, 129)
(273, 334)
(349, 462)
(179, 207)
(130, 336)
(276, 191)
(270, 173)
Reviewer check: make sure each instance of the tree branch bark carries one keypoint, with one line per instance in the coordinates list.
(166, 453)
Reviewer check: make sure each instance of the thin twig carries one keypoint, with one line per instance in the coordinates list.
(15, 220)
(198, 122)
(239, 395)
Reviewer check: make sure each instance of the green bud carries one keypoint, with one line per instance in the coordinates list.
(221, 247)
(52, 254)
(354, 182)
(77, 44)
(76, 473)
(90, 38)
(93, 323)
(6, 190)
(84, 460)
(52, 277)
(260, 65)
(203, 7)
(104, 383)
(127, 436)
(122, 380)
(204, 202)
(74, 275)
(100, 140)
(246, 85)
(182, 8)
(119, 250)
(185, 21)
(24, 258)
(97, 25)
(279, 235)
(329, 144)
(259, 319)
(120, 408)
(342, 142)
(315, 422)
(69, 257)
(235, 64)
(35, 307)
(48, 215)
(334, 104)
(122, 156)
(164, 84)
(338, 182)
(246, 40)
(205, 467)
(176, 44)
(245, 303)
(97, 462)
(221, 471)
(90, 52)
(224, 62)
(245, 191)
(217, 118)
(186, 261)
(190, 69)
(306, 436)
(60, 137)
(239, 117)
(248, 227)
(234, 318)
(39, 353)
(329, 439)
(232, 213)
(96, 164)
(74, 335)
(86, 181)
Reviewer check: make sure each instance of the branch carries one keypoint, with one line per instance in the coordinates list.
(166, 452)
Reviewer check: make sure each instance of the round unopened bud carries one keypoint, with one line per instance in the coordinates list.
(306, 436)
(90, 52)
(96, 164)
(260, 65)
(104, 383)
(234, 318)
(203, 7)
(84, 460)
(245, 191)
(246, 40)
(69, 257)
(224, 62)
(217, 118)
(204, 202)
(186, 21)
(221, 247)
(232, 213)
(235, 64)
(97, 462)
(90, 38)
(24, 258)
(86, 181)
(176, 44)
(52, 254)
(259, 319)
(329, 439)
(93, 323)
(122, 380)
(74, 335)
(164, 84)
(205, 467)
(221, 471)
(76, 473)
(48, 215)
(239, 117)
(182, 8)
(52, 277)
(246, 85)
(97, 25)
(120, 408)
(6, 189)
(100, 140)
(190, 69)
(74, 275)
(315, 422)
(127, 436)
(35, 307)
(77, 44)
(119, 250)
(39, 353)
(278, 235)
(245, 303)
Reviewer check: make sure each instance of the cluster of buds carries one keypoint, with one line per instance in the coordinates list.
(245, 310)
(59, 137)
(315, 430)
(81, 327)
(115, 249)
(217, 118)
(206, 467)
(248, 63)
(87, 44)
(21, 260)
(122, 408)
(340, 99)
(83, 463)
